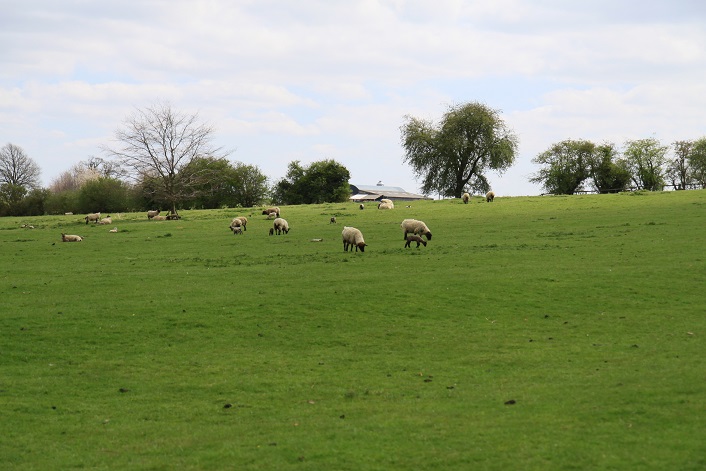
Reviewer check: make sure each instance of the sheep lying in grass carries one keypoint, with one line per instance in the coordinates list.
(106, 220)
(490, 196)
(273, 210)
(70, 238)
(386, 206)
(415, 227)
(159, 218)
(93, 217)
(153, 213)
(279, 226)
(414, 238)
(353, 237)
(466, 198)
(115, 229)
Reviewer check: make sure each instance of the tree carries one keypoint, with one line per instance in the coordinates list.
(645, 159)
(697, 161)
(16, 168)
(455, 155)
(320, 182)
(566, 166)
(107, 195)
(157, 144)
(678, 168)
(608, 173)
(250, 185)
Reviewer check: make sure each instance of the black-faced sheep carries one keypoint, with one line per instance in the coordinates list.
(70, 238)
(490, 196)
(153, 213)
(173, 217)
(333, 220)
(240, 223)
(466, 198)
(280, 225)
(269, 211)
(93, 217)
(414, 238)
(362, 206)
(106, 220)
(415, 227)
(353, 237)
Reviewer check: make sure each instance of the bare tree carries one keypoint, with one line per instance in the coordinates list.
(16, 168)
(156, 144)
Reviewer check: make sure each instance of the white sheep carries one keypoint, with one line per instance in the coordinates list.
(70, 238)
(159, 218)
(239, 223)
(279, 226)
(93, 217)
(353, 237)
(490, 196)
(273, 209)
(115, 229)
(466, 198)
(106, 220)
(415, 227)
(153, 213)
(414, 238)
(386, 206)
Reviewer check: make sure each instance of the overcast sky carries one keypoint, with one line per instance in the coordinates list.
(308, 80)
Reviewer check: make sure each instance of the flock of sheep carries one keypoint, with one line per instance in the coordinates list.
(414, 230)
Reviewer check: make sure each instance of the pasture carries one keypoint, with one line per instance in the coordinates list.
(531, 333)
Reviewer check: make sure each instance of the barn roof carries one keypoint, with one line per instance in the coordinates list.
(378, 192)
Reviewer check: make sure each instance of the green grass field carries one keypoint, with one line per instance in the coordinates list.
(531, 333)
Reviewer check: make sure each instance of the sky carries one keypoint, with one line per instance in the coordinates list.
(334, 79)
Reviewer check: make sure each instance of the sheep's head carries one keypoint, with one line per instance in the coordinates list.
(427, 235)
(361, 246)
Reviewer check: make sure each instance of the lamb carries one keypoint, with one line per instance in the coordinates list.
(269, 211)
(414, 238)
(115, 229)
(106, 220)
(490, 196)
(415, 227)
(93, 217)
(386, 206)
(239, 222)
(70, 238)
(362, 206)
(237, 229)
(280, 225)
(466, 198)
(353, 237)
(333, 220)
(153, 213)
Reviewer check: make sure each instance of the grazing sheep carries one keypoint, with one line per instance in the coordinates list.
(239, 222)
(415, 227)
(386, 206)
(274, 209)
(93, 217)
(159, 218)
(153, 213)
(280, 225)
(237, 229)
(106, 220)
(466, 198)
(70, 238)
(353, 237)
(414, 238)
(385, 200)
(333, 220)
(362, 206)
(115, 229)
(490, 196)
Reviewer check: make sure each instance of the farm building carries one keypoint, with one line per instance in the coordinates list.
(377, 192)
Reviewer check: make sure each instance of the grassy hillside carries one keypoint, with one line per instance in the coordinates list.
(531, 333)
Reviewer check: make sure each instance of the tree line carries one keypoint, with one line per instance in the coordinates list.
(161, 159)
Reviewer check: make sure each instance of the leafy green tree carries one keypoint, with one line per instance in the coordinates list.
(455, 155)
(107, 195)
(677, 169)
(566, 165)
(609, 174)
(60, 202)
(320, 182)
(250, 186)
(212, 183)
(11, 196)
(697, 161)
(646, 159)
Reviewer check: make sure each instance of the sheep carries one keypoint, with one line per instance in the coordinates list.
(159, 218)
(353, 237)
(240, 223)
(153, 213)
(280, 225)
(106, 220)
(466, 198)
(274, 209)
(414, 238)
(237, 229)
(490, 196)
(385, 200)
(272, 231)
(362, 206)
(386, 206)
(93, 217)
(333, 220)
(173, 217)
(70, 238)
(415, 227)
(115, 229)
